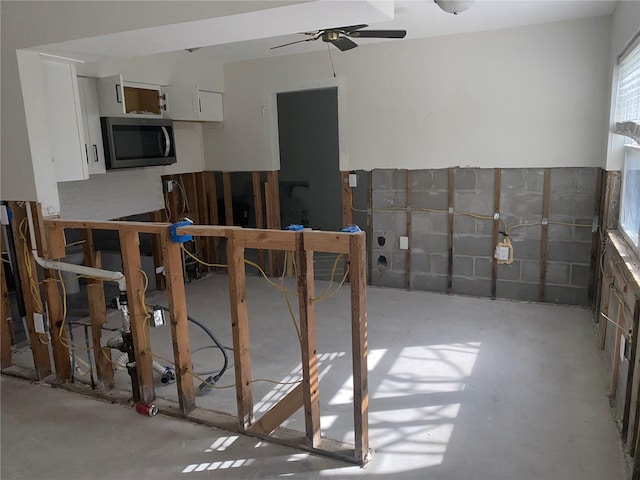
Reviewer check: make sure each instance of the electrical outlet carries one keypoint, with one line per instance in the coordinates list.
(404, 243)
(38, 322)
(502, 253)
(168, 186)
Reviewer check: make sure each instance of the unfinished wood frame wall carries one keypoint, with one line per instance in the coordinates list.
(305, 395)
(619, 316)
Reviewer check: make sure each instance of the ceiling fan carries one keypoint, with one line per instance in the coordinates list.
(341, 37)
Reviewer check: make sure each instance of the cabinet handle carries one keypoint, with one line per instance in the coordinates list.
(86, 152)
(200, 104)
(95, 149)
(118, 99)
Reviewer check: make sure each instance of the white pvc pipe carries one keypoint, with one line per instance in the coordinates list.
(98, 273)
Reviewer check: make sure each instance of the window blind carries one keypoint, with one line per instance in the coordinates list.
(628, 100)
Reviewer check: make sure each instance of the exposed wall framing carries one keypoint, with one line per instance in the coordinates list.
(305, 395)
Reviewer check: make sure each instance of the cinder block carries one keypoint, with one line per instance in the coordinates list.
(557, 273)
(473, 245)
(430, 243)
(509, 271)
(483, 267)
(526, 248)
(430, 180)
(571, 205)
(399, 180)
(464, 179)
(566, 295)
(476, 287)
(387, 278)
(429, 282)
(580, 275)
(517, 291)
(533, 180)
(571, 252)
(398, 261)
(485, 179)
(425, 222)
(475, 202)
(463, 265)
(381, 179)
(530, 272)
(390, 221)
(521, 204)
(587, 180)
(441, 179)
(440, 264)
(563, 180)
(464, 224)
(420, 263)
(485, 226)
(583, 234)
(430, 199)
(389, 198)
(512, 180)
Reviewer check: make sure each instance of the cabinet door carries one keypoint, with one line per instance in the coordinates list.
(64, 117)
(91, 115)
(111, 96)
(82, 87)
(182, 102)
(210, 106)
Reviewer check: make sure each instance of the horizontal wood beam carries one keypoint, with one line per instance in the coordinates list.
(140, 227)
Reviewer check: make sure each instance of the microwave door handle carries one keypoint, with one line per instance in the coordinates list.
(167, 141)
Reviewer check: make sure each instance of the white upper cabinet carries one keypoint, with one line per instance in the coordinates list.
(93, 146)
(118, 98)
(64, 117)
(193, 104)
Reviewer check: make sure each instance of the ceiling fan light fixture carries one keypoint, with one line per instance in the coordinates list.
(454, 6)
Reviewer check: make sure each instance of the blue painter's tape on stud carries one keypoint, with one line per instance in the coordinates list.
(175, 238)
(294, 228)
(351, 229)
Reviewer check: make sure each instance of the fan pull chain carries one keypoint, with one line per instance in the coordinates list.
(331, 58)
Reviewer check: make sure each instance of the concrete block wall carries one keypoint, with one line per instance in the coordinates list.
(572, 199)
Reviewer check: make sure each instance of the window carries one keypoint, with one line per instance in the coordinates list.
(628, 124)
(630, 199)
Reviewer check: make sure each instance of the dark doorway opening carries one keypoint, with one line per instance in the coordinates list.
(310, 188)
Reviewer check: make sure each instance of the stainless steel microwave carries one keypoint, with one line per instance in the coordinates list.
(137, 142)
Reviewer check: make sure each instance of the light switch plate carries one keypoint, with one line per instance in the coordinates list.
(404, 243)
(353, 180)
(38, 322)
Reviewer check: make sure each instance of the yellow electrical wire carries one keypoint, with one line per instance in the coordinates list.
(202, 261)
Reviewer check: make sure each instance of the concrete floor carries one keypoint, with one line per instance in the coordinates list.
(460, 388)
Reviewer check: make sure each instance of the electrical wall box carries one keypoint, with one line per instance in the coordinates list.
(404, 243)
(38, 322)
(167, 186)
(173, 228)
(353, 180)
(502, 253)
(157, 319)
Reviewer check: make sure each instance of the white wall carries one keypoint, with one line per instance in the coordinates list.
(625, 24)
(113, 195)
(533, 96)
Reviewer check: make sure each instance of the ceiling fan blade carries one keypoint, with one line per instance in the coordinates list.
(378, 34)
(297, 41)
(351, 28)
(343, 43)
